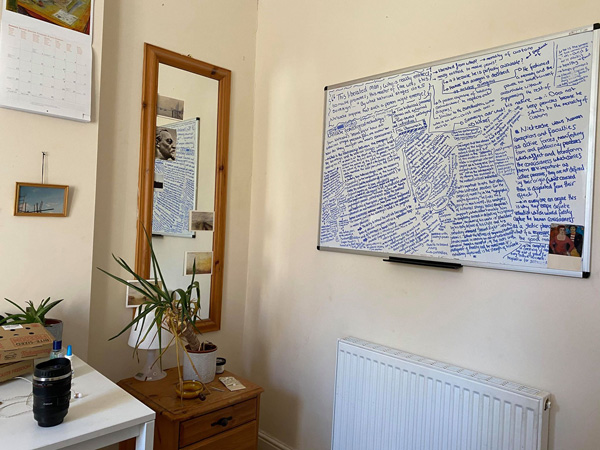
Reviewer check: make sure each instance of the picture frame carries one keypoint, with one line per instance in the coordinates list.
(41, 200)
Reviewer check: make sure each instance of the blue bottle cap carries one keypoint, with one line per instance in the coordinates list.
(56, 345)
(69, 350)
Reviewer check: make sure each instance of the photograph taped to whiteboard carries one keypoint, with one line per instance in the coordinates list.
(467, 160)
(565, 247)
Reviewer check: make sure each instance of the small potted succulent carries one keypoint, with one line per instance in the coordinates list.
(33, 314)
(174, 311)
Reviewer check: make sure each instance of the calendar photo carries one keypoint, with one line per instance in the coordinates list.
(71, 14)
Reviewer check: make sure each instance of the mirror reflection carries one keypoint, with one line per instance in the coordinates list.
(184, 178)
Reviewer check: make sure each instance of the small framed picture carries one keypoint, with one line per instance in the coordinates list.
(48, 200)
(201, 221)
(135, 298)
(203, 263)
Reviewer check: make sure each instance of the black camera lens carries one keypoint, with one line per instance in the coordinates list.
(51, 391)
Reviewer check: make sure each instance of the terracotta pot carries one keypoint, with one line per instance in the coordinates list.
(205, 363)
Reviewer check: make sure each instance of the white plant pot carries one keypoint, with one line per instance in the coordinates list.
(205, 363)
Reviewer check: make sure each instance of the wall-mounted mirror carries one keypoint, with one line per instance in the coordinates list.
(183, 174)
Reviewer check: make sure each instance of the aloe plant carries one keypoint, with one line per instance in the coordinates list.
(29, 314)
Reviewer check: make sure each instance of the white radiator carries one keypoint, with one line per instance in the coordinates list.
(390, 399)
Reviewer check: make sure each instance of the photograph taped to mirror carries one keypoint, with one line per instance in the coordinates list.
(203, 262)
(201, 221)
(135, 298)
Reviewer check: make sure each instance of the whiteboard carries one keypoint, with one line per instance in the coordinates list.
(479, 159)
(174, 200)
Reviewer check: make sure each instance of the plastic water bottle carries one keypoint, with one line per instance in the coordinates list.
(56, 350)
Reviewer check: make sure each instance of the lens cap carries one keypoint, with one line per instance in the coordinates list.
(52, 368)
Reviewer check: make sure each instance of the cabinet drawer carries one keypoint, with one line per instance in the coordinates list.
(208, 425)
(244, 437)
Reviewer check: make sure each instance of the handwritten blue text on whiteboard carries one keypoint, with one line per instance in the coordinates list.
(471, 159)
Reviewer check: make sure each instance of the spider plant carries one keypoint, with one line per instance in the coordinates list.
(175, 311)
(29, 314)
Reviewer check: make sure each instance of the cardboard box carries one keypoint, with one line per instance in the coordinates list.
(11, 370)
(23, 342)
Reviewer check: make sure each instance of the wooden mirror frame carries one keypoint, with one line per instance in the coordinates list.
(153, 56)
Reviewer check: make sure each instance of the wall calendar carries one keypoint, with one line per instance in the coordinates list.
(46, 66)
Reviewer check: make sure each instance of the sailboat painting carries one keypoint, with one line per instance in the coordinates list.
(48, 200)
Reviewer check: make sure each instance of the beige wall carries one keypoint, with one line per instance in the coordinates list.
(219, 32)
(285, 303)
(536, 329)
(44, 257)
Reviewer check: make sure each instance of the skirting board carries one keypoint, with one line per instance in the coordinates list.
(268, 442)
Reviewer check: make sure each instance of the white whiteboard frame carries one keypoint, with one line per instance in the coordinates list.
(594, 77)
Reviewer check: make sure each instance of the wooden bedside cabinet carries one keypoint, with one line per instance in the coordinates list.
(224, 421)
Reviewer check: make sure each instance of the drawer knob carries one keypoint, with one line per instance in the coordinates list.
(222, 421)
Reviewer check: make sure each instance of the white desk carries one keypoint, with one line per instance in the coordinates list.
(104, 415)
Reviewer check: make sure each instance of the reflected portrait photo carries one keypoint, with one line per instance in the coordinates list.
(201, 221)
(166, 143)
(203, 263)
